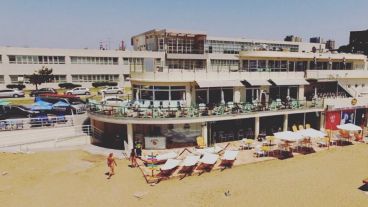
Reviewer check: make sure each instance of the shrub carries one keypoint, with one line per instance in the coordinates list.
(18, 86)
(104, 83)
(68, 85)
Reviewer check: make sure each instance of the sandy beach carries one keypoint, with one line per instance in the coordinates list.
(76, 178)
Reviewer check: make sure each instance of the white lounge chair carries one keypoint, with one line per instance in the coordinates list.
(170, 164)
(189, 163)
(209, 159)
(211, 150)
(229, 158)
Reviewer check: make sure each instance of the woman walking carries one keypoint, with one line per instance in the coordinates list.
(133, 159)
(111, 163)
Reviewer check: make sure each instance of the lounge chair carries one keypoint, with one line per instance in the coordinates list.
(159, 159)
(228, 158)
(189, 164)
(207, 162)
(168, 168)
(208, 150)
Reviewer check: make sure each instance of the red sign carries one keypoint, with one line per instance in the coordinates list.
(332, 119)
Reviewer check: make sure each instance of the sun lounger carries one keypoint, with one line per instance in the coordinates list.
(210, 150)
(189, 163)
(228, 158)
(168, 168)
(207, 162)
(159, 159)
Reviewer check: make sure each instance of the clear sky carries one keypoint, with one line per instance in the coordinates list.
(84, 23)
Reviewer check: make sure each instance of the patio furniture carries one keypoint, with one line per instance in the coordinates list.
(207, 162)
(168, 168)
(228, 158)
(295, 129)
(246, 144)
(189, 164)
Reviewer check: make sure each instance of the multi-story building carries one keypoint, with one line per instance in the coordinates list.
(225, 89)
(292, 38)
(82, 66)
(330, 45)
(316, 40)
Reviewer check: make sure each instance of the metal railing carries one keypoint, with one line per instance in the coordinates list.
(141, 110)
(38, 122)
(23, 139)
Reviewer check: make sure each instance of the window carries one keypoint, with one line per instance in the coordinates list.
(159, 92)
(2, 81)
(94, 60)
(1, 59)
(32, 59)
(94, 78)
(18, 78)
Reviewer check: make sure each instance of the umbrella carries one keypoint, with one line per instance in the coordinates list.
(288, 136)
(41, 105)
(349, 127)
(61, 104)
(312, 133)
(4, 102)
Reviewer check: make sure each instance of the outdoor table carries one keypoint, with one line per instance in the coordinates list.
(248, 143)
(266, 149)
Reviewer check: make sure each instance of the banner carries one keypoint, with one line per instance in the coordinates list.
(347, 117)
(332, 119)
(155, 142)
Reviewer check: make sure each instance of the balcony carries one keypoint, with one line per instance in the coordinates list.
(139, 112)
(336, 74)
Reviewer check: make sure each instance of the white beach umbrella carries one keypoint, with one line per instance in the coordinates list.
(349, 127)
(312, 133)
(288, 136)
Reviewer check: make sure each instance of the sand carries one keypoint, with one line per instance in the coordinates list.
(76, 178)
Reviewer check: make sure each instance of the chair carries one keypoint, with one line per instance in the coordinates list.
(295, 129)
(156, 104)
(307, 126)
(168, 168)
(200, 142)
(207, 162)
(259, 152)
(165, 104)
(208, 150)
(229, 158)
(301, 127)
(189, 164)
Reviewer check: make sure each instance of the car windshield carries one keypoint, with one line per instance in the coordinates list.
(75, 101)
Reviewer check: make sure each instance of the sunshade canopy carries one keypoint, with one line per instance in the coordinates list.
(219, 83)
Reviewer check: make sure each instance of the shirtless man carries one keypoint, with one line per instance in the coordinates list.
(111, 164)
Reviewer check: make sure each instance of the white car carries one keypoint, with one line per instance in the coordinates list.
(78, 91)
(15, 93)
(112, 101)
(111, 90)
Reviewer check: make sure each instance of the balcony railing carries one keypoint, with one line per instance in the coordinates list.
(173, 109)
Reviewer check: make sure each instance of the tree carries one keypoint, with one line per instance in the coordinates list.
(43, 75)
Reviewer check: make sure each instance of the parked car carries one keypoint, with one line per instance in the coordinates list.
(112, 101)
(43, 91)
(15, 93)
(111, 90)
(76, 105)
(16, 111)
(78, 91)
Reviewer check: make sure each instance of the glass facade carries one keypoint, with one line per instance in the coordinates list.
(94, 60)
(94, 78)
(159, 92)
(30, 59)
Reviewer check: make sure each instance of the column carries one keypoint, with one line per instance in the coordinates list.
(236, 96)
(301, 93)
(322, 120)
(130, 136)
(256, 127)
(286, 121)
(189, 95)
(242, 94)
(205, 133)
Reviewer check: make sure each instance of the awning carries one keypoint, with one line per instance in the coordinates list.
(291, 81)
(219, 83)
(257, 82)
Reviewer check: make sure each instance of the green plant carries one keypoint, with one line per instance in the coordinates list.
(43, 75)
(68, 85)
(104, 83)
(18, 86)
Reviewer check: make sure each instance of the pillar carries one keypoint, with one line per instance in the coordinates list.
(205, 133)
(130, 136)
(301, 92)
(190, 95)
(322, 120)
(256, 127)
(242, 94)
(286, 121)
(236, 96)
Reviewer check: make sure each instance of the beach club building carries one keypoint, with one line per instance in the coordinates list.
(187, 84)
(226, 89)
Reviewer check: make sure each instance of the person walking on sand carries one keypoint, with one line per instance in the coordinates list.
(133, 158)
(111, 163)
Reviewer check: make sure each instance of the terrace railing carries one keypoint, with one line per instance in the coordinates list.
(145, 111)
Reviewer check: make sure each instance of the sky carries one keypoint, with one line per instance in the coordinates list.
(85, 23)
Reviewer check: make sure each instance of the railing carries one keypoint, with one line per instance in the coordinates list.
(142, 110)
(39, 122)
(23, 140)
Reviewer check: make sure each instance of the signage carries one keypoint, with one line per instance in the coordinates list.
(155, 142)
(354, 101)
